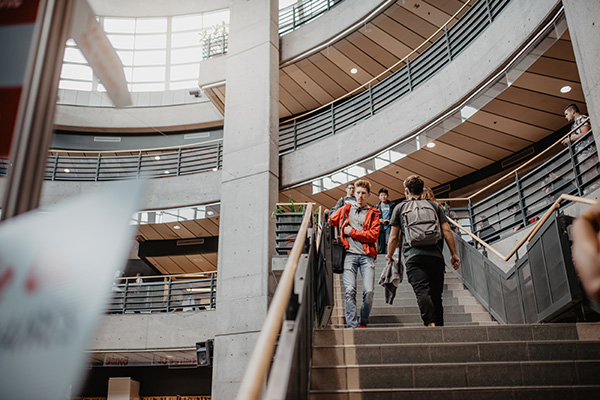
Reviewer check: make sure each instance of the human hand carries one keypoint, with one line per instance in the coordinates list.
(586, 251)
(455, 262)
(565, 141)
(347, 230)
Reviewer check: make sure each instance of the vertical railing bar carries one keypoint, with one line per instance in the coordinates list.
(489, 11)
(169, 281)
(448, 48)
(574, 166)
(295, 135)
(218, 156)
(371, 99)
(521, 198)
(98, 167)
(179, 161)
(125, 296)
(410, 86)
(55, 167)
(139, 166)
(212, 291)
(332, 119)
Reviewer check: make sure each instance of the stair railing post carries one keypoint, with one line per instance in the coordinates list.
(332, 119)
(521, 199)
(55, 167)
(295, 135)
(179, 162)
(371, 99)
(448, 49)
(575, 167)
(98, 162)
(410, 86)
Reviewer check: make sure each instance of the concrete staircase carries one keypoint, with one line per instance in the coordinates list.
(472, 357)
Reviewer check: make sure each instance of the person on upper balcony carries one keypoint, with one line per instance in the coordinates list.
(573, 115)
(349, 198)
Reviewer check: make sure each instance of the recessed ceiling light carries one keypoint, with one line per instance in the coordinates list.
(353, 71)
(210, 212)
(157, 158)
(176, 227)
(67, 170)
(167, 171)
(565, 89)
(430, 145)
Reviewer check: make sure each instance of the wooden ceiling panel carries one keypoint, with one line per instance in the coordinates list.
(415, 23)
(165, 231)
(447, 6)
(453, 152)
(165, 266)
(289, 103)
(297, 91)
(545, 84)
(428, 12)
(427, 171)
(552, 67)
(148, 232)
(184, 264)
(387, 41)
(474, 145)
(497, 138)
(443, 164)
(345, 64)
(537, 101)
(329, 85)
(334, 71)
(403, 34)
(526, 114)
(308, 84)
(210, 224)
(374, 49)
(562, 50)
(510, 126)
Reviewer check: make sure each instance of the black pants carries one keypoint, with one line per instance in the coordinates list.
(426, 276)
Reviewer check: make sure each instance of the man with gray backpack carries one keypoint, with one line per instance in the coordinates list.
(420, 227)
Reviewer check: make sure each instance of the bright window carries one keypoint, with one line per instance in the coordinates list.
(158, 53)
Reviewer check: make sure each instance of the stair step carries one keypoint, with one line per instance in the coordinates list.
(489, 393)
(333, 355)
(450, 375)
(454, 334)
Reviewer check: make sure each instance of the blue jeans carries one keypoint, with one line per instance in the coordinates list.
(367, 269)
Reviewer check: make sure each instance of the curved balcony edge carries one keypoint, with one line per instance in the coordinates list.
(323, 29)
(487, 53)
(163, 193)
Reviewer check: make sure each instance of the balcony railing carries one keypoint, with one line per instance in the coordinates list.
(193, 292)
(574, 170)
(296, 15)
(410, 73)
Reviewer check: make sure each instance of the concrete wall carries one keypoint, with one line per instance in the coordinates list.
(155, 8)
(325, 27)
(162, 193)
(493, 47)
(187, 116)
(159, 330)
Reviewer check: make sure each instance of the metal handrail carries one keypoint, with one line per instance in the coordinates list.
(520, 167)
(254, 378)
(534, 229)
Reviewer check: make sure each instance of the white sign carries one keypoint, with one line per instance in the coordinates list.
(56, 272)
(97, 49)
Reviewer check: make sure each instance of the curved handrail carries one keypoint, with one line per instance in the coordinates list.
(388, 70)
(261, 357)
(520, 166)
(533, 231)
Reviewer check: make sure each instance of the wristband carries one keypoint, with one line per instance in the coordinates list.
(594, 220)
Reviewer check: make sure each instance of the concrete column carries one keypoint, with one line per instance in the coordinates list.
(583, 19)
(249, 189)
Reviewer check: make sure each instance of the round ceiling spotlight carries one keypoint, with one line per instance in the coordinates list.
(431, 145)
(353, 71)
(176, 227)
(565, 89)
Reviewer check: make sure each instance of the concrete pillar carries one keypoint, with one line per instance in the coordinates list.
(583, 19)
(249, 189)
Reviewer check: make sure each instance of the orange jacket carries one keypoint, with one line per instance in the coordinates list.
(368, 236)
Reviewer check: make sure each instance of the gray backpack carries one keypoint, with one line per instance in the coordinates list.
(421, 223)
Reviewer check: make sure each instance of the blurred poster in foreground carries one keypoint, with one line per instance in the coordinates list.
(56, 271)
